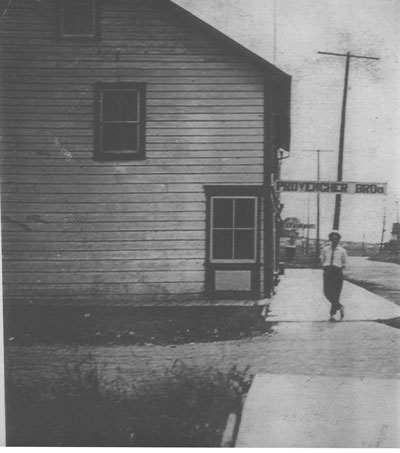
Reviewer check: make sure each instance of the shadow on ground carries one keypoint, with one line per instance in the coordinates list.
(395, 322)
(108, 326)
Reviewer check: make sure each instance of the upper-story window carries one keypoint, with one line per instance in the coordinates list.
(78, 18)
(120, 121)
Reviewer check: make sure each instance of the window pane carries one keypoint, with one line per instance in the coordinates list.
(244, 244)
(129, 106)
(78, 17)
(222, 245)
(120, 136)
(120, 105)
(244, 213)
(86, 26)
(70, 24)
(223, 212)
(111, 106)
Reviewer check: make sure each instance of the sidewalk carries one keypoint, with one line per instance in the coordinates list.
(300, 298)
(343, 403)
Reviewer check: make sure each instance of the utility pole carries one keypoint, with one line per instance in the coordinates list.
(363, 241)
(308, 226)
(336, 219)
(398, 224)
(304, 220)
(275, 31)
(317, 252)
(383, 230)
(317, 243)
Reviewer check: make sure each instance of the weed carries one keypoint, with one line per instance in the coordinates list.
(40, 324)
(187, 407)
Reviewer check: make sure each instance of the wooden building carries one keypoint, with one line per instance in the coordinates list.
(138, 146)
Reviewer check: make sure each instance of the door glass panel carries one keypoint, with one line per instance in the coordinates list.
(222, 212)
(222, 245)
(244, 213)
(244, 244)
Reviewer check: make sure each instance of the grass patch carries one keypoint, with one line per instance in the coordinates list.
(386, 258)
(388, 293)
(187, 407)
(106, 326)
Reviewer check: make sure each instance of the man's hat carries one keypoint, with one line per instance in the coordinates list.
(334, 233)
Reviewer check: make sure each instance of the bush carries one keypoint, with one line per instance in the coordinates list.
(188, 407)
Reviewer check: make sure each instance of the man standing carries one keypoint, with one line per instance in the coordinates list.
(333, 259)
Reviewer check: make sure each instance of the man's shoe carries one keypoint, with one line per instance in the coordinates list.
(341, 312)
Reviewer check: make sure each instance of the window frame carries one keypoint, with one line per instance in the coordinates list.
(99, 152)
(212, 265)
(233, 229)
(95, 32)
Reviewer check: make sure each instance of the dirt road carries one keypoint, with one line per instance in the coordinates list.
(380, 278)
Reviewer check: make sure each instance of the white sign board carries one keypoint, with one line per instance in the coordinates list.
(297, 226)
(350, 188)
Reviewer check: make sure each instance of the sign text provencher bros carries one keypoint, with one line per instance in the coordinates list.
(350, 188)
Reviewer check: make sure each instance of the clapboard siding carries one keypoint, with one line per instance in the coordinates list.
(103, 246)
(39, 208)
(166, 150)
(99, 256)
(200, 161)
(150, 170)
(106, 265)
(107, 226)
(230, 178)
(90, 217)
(105, 277)
(80, 231)
(115, 295)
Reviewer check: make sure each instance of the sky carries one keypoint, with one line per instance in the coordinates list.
(289, 34)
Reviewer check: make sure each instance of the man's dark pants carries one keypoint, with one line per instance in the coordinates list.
(333, 283)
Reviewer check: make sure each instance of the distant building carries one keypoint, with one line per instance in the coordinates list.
(395, 232)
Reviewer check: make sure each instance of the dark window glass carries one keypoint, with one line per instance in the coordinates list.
(223, 213)
(86, 17)
(244, 244)
(222, 244)
(77, 17)
(70, 24)
(244, 213)
(120, 137)
(120, 105)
